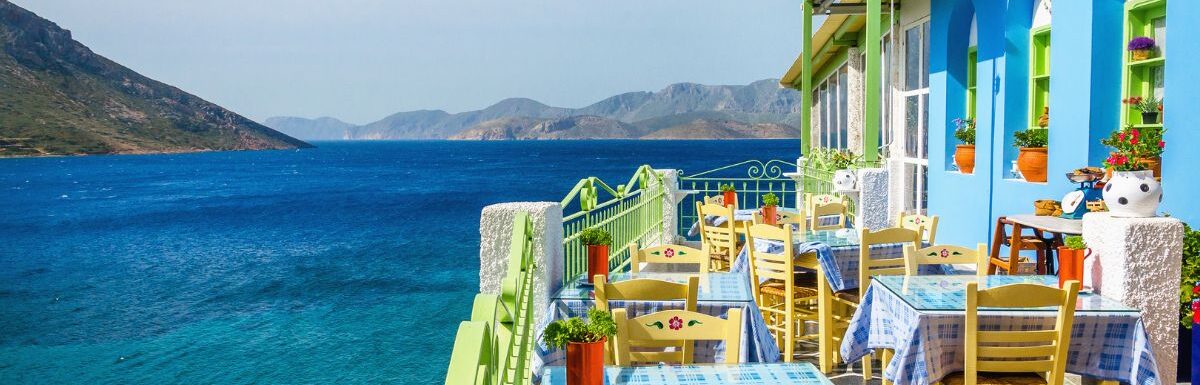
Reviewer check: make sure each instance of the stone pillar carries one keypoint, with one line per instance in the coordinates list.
(1137, 260)
(855, 100)
(872, 199)
(671, 197)
(495, 238)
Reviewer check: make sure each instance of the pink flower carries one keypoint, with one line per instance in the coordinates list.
(1133, 140)
(675, 323)
(1162, 144)
(1121, 136)
(945, 253)
(669, 253)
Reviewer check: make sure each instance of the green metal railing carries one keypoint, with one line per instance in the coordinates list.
(494, 347)
(752, 179)
(632, 212)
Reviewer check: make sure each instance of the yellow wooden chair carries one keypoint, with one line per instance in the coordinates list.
(785, 304)
(714, 200)
(945, 255)
(1040, 356)
(667, 255)
(719, 242)
(797, 220)
(650, 290)
(675, 326)
(915, 221)
(811, 200)
(825, 210)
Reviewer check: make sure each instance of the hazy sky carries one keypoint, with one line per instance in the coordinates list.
(360, 60)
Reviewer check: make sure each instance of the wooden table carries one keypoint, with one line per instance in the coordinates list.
(1056, 227)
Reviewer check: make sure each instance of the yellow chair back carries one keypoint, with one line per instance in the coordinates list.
(945, 254)
(714, 200)
(649, 290)
(666, 254)
(915, 221)
(811, 201)
(717, 239)
(868, 266)
(824, 210)
(797, 221)
(675, 326)
(764, 265)
(1037, 351)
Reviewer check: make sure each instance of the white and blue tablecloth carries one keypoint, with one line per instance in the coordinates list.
(743, 215)
(837, 252)
(719, 292)
(1108, 342)
(742, 374)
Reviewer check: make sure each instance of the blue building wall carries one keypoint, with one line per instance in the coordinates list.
(1085, 91)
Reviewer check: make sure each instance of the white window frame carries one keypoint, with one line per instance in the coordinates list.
(899, 135)
(829, 136)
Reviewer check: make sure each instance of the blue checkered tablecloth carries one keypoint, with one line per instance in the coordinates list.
(840, 263)
(742, 374)
(1107, 343)
(748, 214)
(721, 292)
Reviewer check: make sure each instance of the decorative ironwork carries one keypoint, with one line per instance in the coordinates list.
(632, 213)
(751, 178)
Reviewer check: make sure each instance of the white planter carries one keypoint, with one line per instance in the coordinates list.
(1133, 194)
(844, 181)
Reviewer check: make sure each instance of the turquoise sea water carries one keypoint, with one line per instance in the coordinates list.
(349, 263)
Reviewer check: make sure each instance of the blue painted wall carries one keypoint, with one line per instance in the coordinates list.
(1181, 114)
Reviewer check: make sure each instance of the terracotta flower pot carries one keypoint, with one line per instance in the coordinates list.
(585, 363)
(597, 261)
(768, 214)
(1154, 164)
(1150, 117)
(1032, 163)
(1070, 264)
(730, 198)
(1141, 54)
(964, 157)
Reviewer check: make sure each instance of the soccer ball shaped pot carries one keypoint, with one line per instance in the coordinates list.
(843, 180)
(1133, 194)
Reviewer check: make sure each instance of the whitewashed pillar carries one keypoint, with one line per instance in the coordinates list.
(495, 238)
(1137, 260)
(671, 198)
(872, 199)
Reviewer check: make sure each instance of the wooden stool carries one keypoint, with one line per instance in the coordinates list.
(1017, 242)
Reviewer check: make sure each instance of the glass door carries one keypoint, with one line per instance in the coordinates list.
(912, 136)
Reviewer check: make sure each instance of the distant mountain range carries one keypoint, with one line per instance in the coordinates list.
(57, 97)
(680, 111)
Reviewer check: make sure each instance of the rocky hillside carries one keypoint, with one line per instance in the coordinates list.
(58, 97)
(323, 128)
(705, 125)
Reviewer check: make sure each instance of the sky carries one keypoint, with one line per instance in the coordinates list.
(361, 60)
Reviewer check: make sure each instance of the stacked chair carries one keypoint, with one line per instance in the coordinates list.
(785, 303)
(719, 242)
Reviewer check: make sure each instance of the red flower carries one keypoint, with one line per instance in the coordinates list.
(669, 253)
(675, 323)
(1196, 289)
(1136, 133)
(945, 253)
(1162, 144)
(1121, 136)
(1133, 140)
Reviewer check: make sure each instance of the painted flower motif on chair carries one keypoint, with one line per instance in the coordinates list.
(945, 253)
(669, 252)
(675, 323)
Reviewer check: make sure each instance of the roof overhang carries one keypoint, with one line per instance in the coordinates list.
(843, 21)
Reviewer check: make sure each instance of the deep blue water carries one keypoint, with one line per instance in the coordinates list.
(348, 263)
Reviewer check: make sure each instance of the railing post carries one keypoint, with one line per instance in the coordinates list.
(670, 205)
(495, 239)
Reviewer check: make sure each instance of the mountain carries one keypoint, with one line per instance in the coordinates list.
(59, 97)
(759, 109)
(323, 128)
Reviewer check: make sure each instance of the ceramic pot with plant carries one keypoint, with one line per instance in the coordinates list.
(1133, 191)
(1070, 259)
(964, 154)
(1141, 48)
(584, 341)
(1031, 156)
(770, 204)
(729, 195)
(597, 242)
(1149, 107)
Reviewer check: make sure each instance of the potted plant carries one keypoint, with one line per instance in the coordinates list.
(584, 342)
(1031, 158)
(1141, 48)
(964, 154)
(770, 203)
(1132, 191)
(729, 195)
(1070, 259)
(597, 241)
(1149, 107)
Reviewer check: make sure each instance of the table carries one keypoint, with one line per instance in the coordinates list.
(1040, 224)
(745, 215)
(921, 318)
(836, 253)
(719, 292)
(744, 374)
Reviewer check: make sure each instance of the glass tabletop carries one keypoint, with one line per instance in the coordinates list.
(724, 287)
(801, 373)
(833, 238)
(948, 292)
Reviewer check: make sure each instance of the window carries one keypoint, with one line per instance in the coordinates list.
(885, 127)
(1039, 71)
(972, 60)
(832, 95)
(1145, 77)
(914, 107)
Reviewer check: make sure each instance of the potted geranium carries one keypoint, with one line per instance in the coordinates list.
(1141, 48)
(964, 154)
(1132, 191)
(597, 241)
(584, 341)
(770, 203)
(1070, 259)
(729, 195)
(1031, 158)
(1149, 107)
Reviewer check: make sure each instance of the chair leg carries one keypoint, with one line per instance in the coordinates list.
(866, 367)
(825, 325)
(885, 358)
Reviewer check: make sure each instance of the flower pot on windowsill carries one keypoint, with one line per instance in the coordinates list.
(597, 257)
(1141, 54)
(729, 198)
(1150, 117)
(1032, 163)
(585, 363)
(768, 215)
(964, 157)
(1153, 164)
(1133, 194)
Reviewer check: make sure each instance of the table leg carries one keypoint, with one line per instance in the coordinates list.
(885, 358)
(997, 240)
(824, 324)
(1014, 249)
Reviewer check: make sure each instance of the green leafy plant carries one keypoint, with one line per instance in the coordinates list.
(964, 130)
(1191, 274)
(1145, 105)
(1031, 138)
(1133, 147)
(600, 325)
(727, 188)
(595, 236)
(769, 199)
(832, 159)
(1074, 242)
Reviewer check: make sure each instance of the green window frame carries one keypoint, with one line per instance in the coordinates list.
(1144, 77)
(972, 62)
(1039, 73)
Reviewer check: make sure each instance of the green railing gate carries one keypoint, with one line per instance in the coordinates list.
(632, 212)
(493, 348)
(751, 179)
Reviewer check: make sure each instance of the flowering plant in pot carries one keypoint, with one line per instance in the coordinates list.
(770, 203)
(964, 154)
(1031, 158)
(1141, 48)
(1070, 259)
(1149, 107)
(729, 195)
(584, 341)
(1132, 191)
(597, 241)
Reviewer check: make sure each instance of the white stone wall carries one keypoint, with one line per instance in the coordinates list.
(671, 197)
(495, 238)
(1137, 260)
(897, 189)
(873, 199)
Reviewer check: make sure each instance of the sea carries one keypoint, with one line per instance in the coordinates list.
(348, 263)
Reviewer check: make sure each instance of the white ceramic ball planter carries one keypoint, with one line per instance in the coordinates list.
(844, 180)
(1133, 194)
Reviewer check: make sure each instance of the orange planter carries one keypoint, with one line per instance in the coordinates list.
(730, 198)
(1032, 163)
(768, 214)
(1070, 264)
(585, 363)
(964, 157)
(597, 261)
